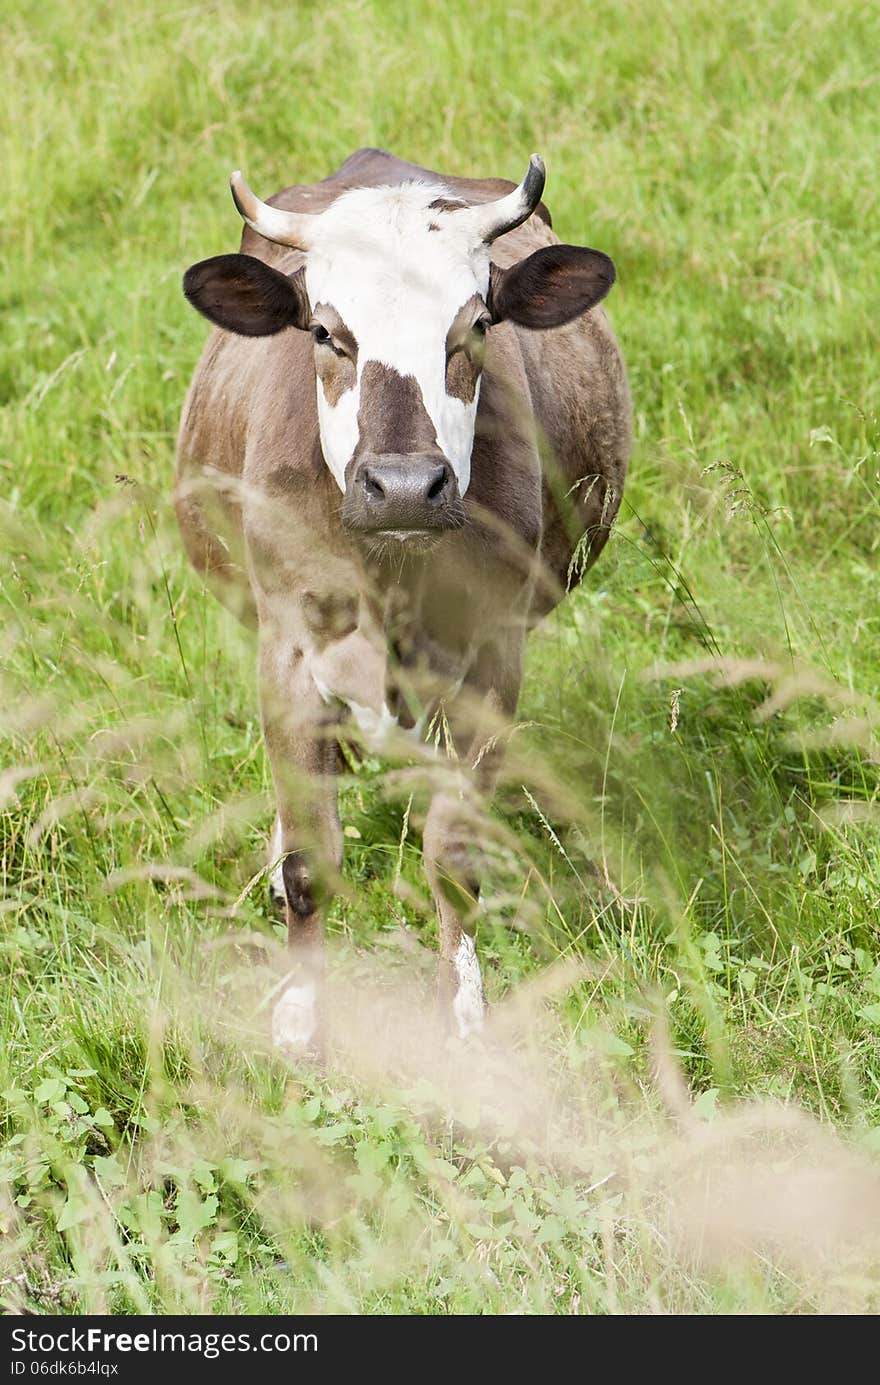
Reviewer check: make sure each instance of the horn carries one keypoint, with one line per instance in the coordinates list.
(285, 228)
(493, 219)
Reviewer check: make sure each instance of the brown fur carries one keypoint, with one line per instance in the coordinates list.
(462, 374)
(259, 512)
(445, 204)
(335, 363)
(392, 416)
(465, 351)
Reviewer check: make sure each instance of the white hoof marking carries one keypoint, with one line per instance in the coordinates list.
(468, 1005)
(276, 876)
(294, 1019)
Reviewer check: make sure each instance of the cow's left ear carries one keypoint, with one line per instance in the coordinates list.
(244, 295)
(551, 287)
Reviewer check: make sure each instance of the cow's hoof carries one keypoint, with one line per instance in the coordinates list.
(295, 1020)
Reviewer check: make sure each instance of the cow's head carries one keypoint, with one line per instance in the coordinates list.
(398, 294)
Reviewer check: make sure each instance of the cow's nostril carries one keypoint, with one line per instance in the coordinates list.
(438, 485)
(373, 486)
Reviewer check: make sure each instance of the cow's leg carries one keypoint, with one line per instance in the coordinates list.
(451, 846)
(276, 864)
(301, 744)
(452, 871)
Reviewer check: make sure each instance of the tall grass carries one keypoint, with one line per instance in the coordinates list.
(684, 860)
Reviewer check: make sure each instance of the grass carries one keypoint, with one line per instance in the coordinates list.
(689, 816)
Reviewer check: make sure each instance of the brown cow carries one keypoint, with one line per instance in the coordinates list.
(394, 490)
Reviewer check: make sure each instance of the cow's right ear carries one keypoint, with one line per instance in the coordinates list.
(244, 295)
(550, 287)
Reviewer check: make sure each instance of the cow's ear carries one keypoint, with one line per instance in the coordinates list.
(244, 295)
(551, 287)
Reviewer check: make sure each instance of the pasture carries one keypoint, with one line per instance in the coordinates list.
(680, 1111)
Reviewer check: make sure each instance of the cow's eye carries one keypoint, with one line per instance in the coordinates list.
(321, 335)
(481, 326)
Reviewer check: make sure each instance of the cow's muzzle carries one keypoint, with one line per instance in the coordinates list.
(407, 493)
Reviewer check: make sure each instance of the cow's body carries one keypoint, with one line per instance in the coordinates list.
(390, 634)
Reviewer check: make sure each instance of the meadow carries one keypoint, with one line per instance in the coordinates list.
(678, 1107)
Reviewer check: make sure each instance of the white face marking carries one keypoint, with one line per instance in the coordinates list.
(397, 285)
(294, 1019)
(468, 1005)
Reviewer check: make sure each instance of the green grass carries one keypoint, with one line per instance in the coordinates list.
(689, 815)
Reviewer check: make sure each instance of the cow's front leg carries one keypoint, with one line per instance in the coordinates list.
(276, 871)
(452, 868)
(306, 846)
(485, 705)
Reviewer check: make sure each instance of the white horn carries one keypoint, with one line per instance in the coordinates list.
(493, 219)
(285, 228)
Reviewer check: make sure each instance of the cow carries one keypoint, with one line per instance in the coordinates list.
(406, 439)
